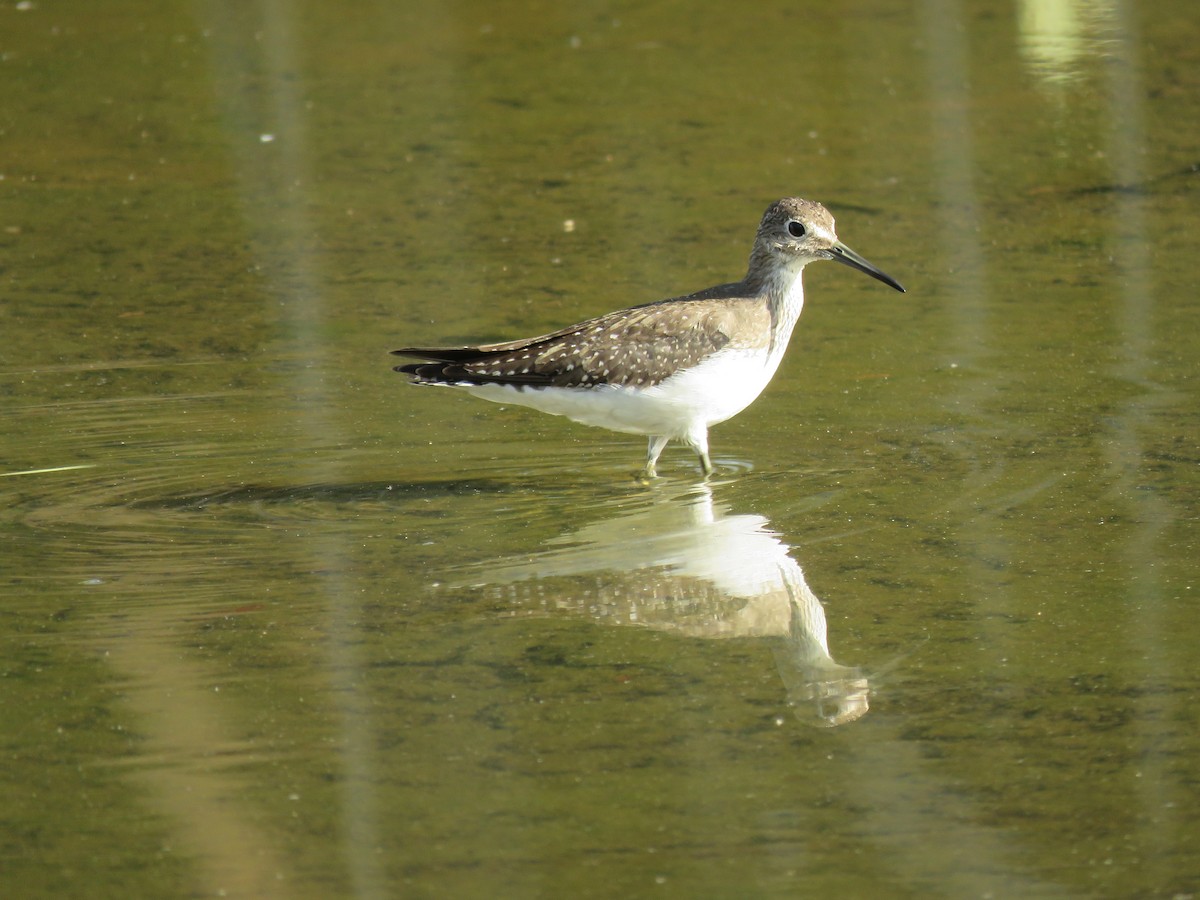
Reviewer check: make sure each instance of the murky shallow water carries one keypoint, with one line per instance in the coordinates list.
(275, 624)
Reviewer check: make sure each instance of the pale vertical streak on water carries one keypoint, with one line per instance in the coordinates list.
(190, 755)
(1148, 512)
(272, 156)
(962, 269)
(360, 837)
(895, 782)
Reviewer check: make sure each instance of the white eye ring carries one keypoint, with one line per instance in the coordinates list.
(796, 229)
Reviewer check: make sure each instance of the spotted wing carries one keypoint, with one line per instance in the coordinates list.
(640, 346)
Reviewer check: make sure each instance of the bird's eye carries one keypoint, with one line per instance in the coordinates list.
(795, 229)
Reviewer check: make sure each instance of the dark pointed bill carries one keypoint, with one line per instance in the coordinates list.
(844, 254)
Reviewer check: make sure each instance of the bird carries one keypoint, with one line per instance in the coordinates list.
(670, 369)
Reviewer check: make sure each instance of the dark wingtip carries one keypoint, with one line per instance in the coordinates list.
(440, 354)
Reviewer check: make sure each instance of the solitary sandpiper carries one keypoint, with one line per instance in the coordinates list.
(668, 369)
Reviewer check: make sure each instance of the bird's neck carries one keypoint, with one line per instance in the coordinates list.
(782, 287)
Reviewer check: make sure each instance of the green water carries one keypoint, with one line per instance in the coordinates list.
(276, 624)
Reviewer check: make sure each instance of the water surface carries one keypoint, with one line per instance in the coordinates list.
(276, 624)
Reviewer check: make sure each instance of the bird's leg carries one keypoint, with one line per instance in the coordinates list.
(653, 450)
(698, 440)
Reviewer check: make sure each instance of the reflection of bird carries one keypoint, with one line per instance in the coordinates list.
(821, 691)
(688, 566)
(668, 369)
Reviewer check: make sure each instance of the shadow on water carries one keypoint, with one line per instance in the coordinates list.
(596, 482)
(288, 495)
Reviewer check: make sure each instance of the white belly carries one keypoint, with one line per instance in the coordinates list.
(720, 387)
